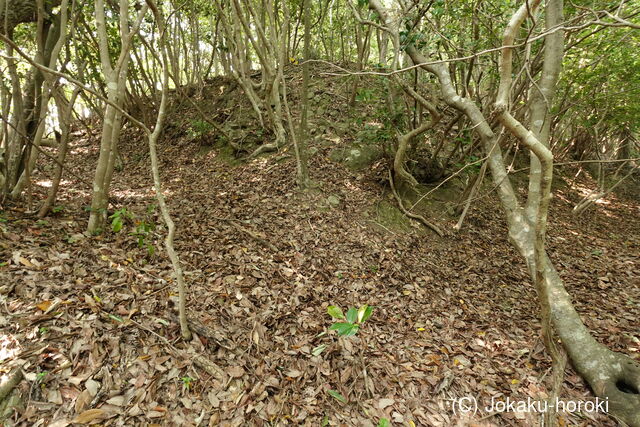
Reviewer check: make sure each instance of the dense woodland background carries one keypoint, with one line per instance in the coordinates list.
(297, 212)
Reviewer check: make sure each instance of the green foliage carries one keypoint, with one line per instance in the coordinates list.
(353, 320)
(384, 422)
(187, 382)
(412, 38)
(199, 128)
(601, 79)
(364, 95)
(372, 134)
(118, 219)
(143, 227)
(340, 398)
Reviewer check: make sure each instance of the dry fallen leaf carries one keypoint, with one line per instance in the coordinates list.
(235, 371)
(89, 415)
(44, 305)
(383, 403)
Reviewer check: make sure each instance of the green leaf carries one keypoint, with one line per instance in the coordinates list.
(337, 396)
(335, 312)
(116, 318)
(384, 422)
(319, 349)
(352, 315)
(364, 313)
(116, 224)
(345, 329)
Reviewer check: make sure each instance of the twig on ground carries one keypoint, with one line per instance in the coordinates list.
(249, 232)
(420, 218)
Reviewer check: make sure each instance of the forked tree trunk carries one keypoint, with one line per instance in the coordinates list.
(116, 78)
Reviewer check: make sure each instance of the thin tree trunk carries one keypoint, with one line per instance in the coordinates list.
(65, 111)
(612, 376)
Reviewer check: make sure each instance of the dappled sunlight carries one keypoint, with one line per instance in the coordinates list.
(9, 348)
(349, 185)
(140, 193)
(226, 203)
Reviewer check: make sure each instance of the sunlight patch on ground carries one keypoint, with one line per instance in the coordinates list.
(9, 348)
(140, 193)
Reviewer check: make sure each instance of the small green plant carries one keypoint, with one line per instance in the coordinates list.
(43, 330)
(119, 218)
(143, 227)
(199, 128)
(57, 209)
(384, 422)
(364, 95)
(187, 382)
(142, 232)
(352, 321)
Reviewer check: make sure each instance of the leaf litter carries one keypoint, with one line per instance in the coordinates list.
(90, 320)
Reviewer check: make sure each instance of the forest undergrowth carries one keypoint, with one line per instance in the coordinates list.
(88, 318)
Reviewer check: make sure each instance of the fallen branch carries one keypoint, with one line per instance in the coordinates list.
(474, 188)
(594, 197)
(9, 382)
(420, 218)
(249, 232)
(198, 359)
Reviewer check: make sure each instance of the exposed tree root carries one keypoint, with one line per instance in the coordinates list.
(420, 218)
(264, 148)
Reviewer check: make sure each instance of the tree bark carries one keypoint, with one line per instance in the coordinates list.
(612, 376)
(15, 12)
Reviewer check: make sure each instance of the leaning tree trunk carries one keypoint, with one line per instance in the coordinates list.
(612, 376)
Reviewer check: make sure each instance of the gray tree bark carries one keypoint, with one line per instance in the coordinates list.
(15, 12)
(612, 376)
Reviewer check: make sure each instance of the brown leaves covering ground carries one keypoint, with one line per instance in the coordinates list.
(454, 317)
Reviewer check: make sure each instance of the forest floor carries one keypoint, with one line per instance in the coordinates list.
(89, 318)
